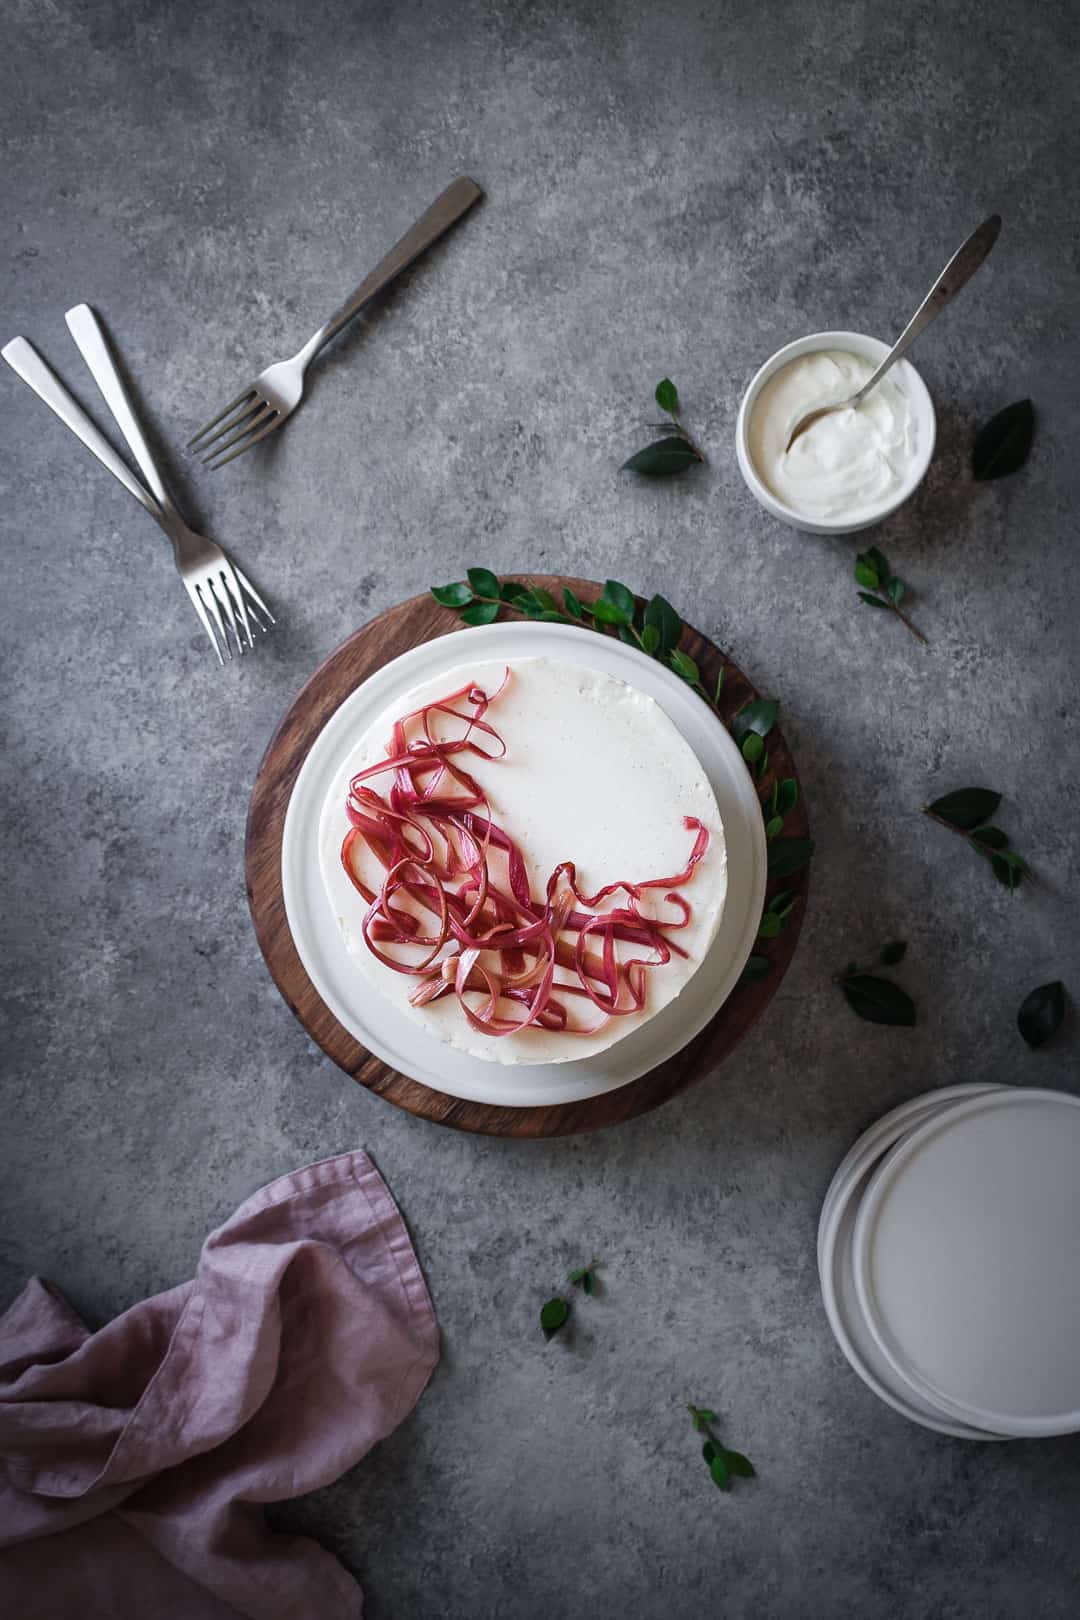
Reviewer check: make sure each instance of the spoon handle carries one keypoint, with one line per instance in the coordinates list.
(959, 270)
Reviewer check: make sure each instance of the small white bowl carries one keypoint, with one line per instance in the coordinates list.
(907, 379)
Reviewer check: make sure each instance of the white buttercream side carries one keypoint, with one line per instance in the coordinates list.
(845, 463)
(595, 772)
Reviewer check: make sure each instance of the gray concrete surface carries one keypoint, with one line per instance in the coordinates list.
(672, 188)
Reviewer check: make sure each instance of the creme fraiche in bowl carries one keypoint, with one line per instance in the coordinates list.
(851, 468)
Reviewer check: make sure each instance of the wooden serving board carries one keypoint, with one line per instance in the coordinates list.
(400, 628)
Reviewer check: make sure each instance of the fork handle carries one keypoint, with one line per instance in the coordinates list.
(25, 361)
(445, 211)
(92, 344)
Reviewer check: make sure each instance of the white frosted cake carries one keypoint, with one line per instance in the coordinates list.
(583, 768)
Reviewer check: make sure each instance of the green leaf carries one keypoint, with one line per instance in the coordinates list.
(621, 597)
(789, 796)
(782, 903)
(873, 601)
(481, 613)
(483, 581)
(544, 599)
(990, 837)
(1008, 867)
(879, 1001)
(718, 1468)
(553, 1315)
(667, 396)
(660, 614)
(753, 747)
(514, 592)
(1041, 1012)
(587, 1282)
(650, 638)
(896, 590)
(876, 560)
(865, 575)
(663, 458)
(456, 595)
(787, 855)
(552, 617)
(967, 807)
(769, 926)
(738, 1464)
(608, 613)
(894, 952)
(762, 764)
(705, 1415)
(719, 685)
(758, 716)
(709, 1450)
(577, 1275)
(684, 666)
(571, 603)
(626, 633)
(775, 826)
(1002, 446)
(757, 967)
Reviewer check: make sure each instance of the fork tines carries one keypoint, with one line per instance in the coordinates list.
(249, 419)
(228, 605)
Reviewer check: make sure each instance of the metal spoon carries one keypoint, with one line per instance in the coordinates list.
(960, 269)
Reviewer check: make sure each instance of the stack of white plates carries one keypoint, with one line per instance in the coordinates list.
(949, 1253)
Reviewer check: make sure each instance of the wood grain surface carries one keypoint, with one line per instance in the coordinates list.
(408, 625)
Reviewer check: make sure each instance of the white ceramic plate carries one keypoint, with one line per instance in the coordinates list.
(376, 1022)
(838, 1290)
(965, 1258)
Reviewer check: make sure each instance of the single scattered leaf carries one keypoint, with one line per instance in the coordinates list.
(738, 1464)
(873, 601)
(879, 1001)
(787, 855)
(663, 458)
(877, 562)
(894, 952)
(480, 613)
(709, 1450)
(1008, 868)
(775, 825)
(865, 575)
(753, 747)
(650, 638)
(572, 604)
(757, 967)
(553, 1315)
(667, 396)
(1002, 446)
(788, 796)
(684, 666)
(967, 807)
(587, 1282)
(758, 716)
(483, 581)
(1041, 1012)
(718, 1468)
(455, 596)
(896, 590)
(991, 837)
(661, 616)
(770, 925)
(607, 613)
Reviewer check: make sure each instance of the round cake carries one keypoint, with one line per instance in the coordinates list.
(527, 860)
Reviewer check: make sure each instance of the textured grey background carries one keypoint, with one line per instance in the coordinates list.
(673, 188)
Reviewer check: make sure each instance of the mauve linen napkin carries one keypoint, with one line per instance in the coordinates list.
(134, 1462)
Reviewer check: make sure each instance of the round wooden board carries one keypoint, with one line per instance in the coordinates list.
(408, 625)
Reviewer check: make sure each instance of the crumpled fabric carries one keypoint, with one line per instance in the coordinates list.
(135, 1461)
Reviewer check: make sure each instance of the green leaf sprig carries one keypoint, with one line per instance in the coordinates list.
(1002, 445)
(883, 588)
(722, 1463)
(878, 1000)
(676, 451)
(555, 1312)
(1041, 1013)
(968, 812)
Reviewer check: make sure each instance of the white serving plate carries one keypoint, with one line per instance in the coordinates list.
(838, 1292)
(375, 1022)
(965, 1258)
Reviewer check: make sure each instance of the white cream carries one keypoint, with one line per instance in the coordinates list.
(846, 463)
(595, 772)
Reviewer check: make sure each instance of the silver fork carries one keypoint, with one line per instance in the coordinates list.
(226, 602)
(276, 392)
